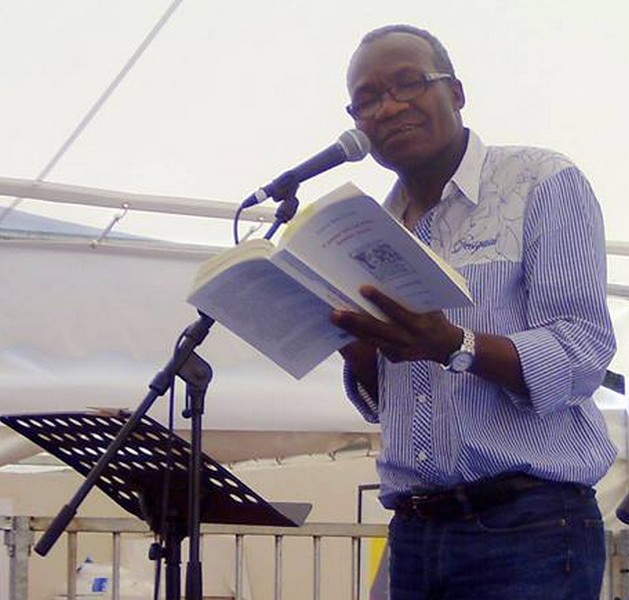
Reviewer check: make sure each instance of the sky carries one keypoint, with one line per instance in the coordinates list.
(231, 94)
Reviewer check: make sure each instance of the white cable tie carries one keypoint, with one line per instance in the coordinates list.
(116, 218)
(253, 229)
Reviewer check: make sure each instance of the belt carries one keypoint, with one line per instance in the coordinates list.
(464, 501)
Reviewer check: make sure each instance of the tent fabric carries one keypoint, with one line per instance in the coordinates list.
(88, 326)
(200, 100)
(91, 327)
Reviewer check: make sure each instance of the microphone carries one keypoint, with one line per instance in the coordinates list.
(352, 145)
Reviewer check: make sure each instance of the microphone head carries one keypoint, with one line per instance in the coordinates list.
(355, 144)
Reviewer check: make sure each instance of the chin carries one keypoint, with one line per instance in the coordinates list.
(401, 161)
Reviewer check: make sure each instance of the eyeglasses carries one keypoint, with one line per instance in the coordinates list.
(367, 107)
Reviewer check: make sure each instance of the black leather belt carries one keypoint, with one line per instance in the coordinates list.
(464, 501)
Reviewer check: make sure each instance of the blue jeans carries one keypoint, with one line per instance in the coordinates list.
(547, 544)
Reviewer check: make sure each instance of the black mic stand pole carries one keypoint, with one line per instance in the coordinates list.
(197, 377)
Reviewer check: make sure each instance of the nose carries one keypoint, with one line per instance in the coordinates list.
(390, 105)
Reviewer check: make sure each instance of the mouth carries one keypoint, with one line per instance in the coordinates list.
(399, 131)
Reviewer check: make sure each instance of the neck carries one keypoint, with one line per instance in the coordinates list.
(424, 183)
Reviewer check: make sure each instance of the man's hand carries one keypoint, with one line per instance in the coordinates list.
(429, 336)
(407, 336)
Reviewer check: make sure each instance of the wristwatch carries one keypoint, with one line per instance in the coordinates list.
(461, 360)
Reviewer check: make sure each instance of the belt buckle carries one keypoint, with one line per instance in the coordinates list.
(416, 502)
(431, 506)
(417, 498)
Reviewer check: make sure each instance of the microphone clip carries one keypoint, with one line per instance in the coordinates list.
(283, 190)
(280, 189)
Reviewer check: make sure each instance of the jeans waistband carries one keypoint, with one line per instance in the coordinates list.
(463, 501)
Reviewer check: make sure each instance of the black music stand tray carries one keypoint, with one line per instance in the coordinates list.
(138, 472)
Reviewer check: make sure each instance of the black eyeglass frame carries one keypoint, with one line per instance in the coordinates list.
(397, 95)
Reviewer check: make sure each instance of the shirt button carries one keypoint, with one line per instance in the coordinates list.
(422, 456)
(422, 398)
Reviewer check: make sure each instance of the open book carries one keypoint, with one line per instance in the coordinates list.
(279, 298)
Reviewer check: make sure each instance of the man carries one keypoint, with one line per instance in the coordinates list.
(491, 440)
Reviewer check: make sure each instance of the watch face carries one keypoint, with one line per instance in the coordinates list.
(461, 361)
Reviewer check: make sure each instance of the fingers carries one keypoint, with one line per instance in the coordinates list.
(406, 336)
(364, 326)
(395, 311)
(360, 325)
(393, 340)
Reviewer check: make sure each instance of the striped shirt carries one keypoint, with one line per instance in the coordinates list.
(525, 229)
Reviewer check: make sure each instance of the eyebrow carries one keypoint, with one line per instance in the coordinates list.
(406, 70)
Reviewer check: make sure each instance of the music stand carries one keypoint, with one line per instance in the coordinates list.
(137, 473)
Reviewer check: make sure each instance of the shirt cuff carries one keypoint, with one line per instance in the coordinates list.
(367, 406)
(546, 370)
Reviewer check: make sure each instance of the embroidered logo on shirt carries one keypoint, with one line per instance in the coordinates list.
(471, 245)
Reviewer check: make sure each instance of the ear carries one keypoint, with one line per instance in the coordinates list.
(458, 94)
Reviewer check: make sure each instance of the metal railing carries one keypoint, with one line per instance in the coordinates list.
(20, 533)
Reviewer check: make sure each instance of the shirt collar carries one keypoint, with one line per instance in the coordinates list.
(466, 178)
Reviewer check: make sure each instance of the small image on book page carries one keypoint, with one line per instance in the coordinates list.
(381, 260)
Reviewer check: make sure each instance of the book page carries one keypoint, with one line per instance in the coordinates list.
(354, 241)
(272, 312)
(317, 283)
(255, 248)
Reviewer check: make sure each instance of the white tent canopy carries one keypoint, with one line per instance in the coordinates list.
(165, 105)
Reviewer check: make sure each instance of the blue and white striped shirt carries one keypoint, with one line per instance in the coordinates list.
(525, 229)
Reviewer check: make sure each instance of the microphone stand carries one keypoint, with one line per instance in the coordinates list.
(285, 188)
(197, 374)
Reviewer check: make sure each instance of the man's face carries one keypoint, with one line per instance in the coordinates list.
(413, 134)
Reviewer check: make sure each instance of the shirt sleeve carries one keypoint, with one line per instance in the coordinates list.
(367, 405)
(569, 341)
